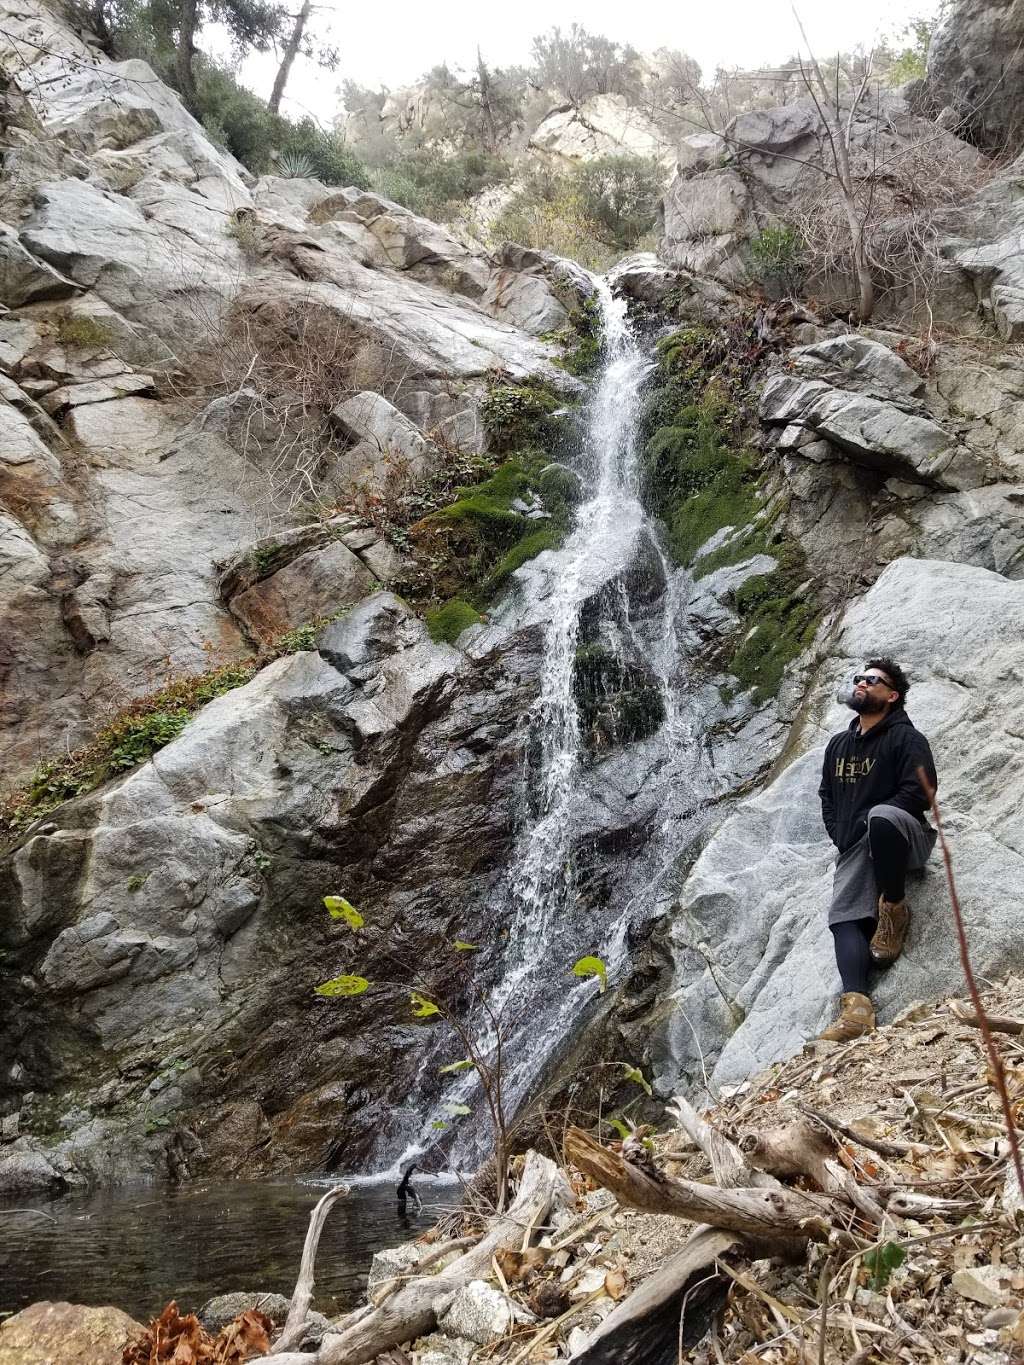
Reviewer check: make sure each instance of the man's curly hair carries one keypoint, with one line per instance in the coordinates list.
(895, 674)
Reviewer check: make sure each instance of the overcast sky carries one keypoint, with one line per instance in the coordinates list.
(392, 44)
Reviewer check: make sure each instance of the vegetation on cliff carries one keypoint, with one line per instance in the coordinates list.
(705, 482)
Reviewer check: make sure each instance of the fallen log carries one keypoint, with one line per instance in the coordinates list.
(771, 1219)
(410, 1313)
(644, 1328)
(728, 1164)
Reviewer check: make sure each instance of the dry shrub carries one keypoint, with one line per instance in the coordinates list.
(269, 375)
(907, 203)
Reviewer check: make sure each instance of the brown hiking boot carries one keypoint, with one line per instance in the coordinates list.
(856, 1017)
(893, 923)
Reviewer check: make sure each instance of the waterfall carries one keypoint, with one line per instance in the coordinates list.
(611, 549)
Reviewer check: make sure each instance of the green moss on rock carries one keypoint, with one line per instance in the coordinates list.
(522, 417)
(447, 623)
(701, 478)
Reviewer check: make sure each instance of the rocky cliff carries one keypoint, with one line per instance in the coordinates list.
(172, 507)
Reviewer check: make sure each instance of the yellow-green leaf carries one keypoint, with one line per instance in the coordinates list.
(464, 1065)
(422, 1008)
(343, 985)
(461, 946)
(439, 1123)
(339, 908)
(458, 1110)
(619, 1128)
(592, 966)
(633, 1073)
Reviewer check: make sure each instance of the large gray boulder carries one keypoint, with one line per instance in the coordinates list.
(975, 73)
(754, 968)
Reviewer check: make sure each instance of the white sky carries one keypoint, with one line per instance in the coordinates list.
(393, 44)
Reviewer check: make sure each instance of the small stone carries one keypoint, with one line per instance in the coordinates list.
(999, 1317)
(439, 1349)
(391, 1262)
(983, 1284)
(223, 1308)
(481, 1313)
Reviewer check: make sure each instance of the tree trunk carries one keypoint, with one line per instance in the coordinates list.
(188, 23)
(290, 53)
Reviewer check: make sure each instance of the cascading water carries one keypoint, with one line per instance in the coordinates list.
(611, 583)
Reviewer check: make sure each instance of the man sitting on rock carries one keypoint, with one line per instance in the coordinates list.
(873, 806)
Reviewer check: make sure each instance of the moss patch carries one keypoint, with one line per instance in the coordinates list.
(135, 733)
(702, 477)
(580, 340)
(779, 615)
(82, 332)
(447, 623)
(521, 417)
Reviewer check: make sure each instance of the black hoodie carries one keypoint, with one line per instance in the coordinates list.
(877, 768)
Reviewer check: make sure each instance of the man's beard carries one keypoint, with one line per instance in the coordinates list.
(864, 705)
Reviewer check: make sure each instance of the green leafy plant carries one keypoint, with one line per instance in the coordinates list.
(882, 1261)
(296, 165)
(82, 332)
(592, 966)
(780, 257)
(339, 908)
(343, 985)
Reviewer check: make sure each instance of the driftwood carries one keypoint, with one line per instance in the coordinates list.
(409, 1313)
(298, 1309)
(728, 1164)
(998, 1023)
(764, 1217)
(807, 1148)
(883, 1146)
(644, 1328)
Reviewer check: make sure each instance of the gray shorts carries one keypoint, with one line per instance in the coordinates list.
(854, 893)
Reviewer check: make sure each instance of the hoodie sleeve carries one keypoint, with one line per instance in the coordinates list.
(828, 808)
(910, 795)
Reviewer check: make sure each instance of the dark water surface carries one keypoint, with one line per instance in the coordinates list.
(138, 1246)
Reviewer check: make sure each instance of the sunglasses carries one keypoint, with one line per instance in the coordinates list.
(871, 680)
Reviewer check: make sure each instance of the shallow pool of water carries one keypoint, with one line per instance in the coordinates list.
(138, 1246)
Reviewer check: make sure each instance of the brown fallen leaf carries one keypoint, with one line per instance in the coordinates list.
(246, 1336)
(615, 1284)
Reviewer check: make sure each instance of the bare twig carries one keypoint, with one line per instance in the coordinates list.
(995, 1061)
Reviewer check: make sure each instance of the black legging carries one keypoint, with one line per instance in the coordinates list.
(890, 853)
(853, 952)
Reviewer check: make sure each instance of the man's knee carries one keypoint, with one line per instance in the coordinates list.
(890, 814)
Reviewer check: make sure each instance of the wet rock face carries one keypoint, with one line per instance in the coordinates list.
(184, 903)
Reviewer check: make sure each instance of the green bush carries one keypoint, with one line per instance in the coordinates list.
(620, 195)
(437, 186)
(522, 416)
(780, 258)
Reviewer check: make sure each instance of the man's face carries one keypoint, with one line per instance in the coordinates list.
(872, 692)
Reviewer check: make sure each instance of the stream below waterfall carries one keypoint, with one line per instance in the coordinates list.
(136, 1246)
(611, 591)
